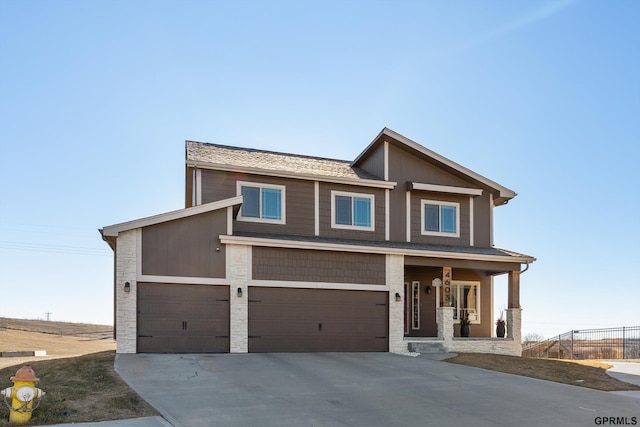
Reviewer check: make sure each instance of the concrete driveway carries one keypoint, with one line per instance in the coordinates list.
(356, 389)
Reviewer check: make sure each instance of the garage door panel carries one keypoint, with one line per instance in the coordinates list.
(176, 318)
(305, 320)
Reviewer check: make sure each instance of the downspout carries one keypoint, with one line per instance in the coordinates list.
(525, 268)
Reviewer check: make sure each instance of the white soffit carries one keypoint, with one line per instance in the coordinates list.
(446, 189)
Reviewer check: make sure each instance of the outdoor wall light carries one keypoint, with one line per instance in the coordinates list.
(127, 287)
(427, 289)
(239, 292)
(398, 297)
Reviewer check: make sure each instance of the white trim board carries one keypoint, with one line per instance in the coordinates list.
(446, 189)
(113, 230)
(317, 285)
(292, 244)
(284, 174)
(183, 280)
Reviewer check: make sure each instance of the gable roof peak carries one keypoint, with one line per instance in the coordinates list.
(501, 194)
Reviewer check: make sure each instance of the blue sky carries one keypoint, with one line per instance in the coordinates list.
(98, 97)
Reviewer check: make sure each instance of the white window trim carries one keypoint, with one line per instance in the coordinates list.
(372, 204)
(478, 305)
(415, 305)
(283, 201)
(439, 233)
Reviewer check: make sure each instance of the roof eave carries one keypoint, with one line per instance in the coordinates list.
(502, 194)
(293, 175)
(114, 230)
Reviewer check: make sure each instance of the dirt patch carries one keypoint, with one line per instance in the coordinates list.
(587, 373)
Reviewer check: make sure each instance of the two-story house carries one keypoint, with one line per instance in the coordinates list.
(278, 252)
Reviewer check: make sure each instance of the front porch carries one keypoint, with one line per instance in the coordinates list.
(446, 342)
(437, 298)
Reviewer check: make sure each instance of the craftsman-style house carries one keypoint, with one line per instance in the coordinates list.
(278, 252)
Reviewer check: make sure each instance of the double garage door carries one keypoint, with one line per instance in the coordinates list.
(195, 319)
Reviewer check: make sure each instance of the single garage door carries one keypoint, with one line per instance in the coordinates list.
(307, 320)
(183, 318)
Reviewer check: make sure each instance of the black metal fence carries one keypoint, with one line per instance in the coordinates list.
(607, 343)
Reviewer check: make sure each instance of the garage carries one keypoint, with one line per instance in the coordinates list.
(178, 318)
(312, 320)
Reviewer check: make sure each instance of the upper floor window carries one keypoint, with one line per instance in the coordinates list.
(440, 218)
(262, 202)
(352, 210)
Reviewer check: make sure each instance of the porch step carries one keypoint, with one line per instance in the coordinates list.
(426, 347)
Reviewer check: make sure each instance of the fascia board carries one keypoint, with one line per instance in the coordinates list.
(289, 244)
(503, 192)
(113, 230)
(283, 174)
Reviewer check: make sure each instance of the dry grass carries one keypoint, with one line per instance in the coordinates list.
(584, 373)
(80, 389)
(77, 374)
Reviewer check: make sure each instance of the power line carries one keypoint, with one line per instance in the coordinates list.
(43, 247)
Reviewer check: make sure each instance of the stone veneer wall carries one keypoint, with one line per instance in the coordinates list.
(238, 274)
(395, 281)
(126, 302)
(511, 345)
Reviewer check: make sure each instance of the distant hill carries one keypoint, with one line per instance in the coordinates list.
(58, 328)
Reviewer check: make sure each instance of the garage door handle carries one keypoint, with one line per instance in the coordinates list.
(320, 327)
(184, 325)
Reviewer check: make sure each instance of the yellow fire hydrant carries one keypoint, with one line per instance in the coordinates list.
(25, 397)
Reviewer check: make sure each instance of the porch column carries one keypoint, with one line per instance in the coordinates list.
(514, 311)
(514, 325)
(445, 323)
(514, 289)
(395, 283)
(238, 259)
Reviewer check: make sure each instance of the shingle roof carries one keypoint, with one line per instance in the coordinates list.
(473, 250)
(273, 161)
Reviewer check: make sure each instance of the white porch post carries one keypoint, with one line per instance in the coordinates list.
(238, 273)
(395, 282)
(445, 323)
(514, 324)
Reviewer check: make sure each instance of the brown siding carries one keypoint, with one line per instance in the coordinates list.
(482, 220)
(299, 196)
(416, 219)
(188, 191)
(325, 213)
(404, 168)
(374, 163)
(186, 247)
(219, 185)
(317, 266)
